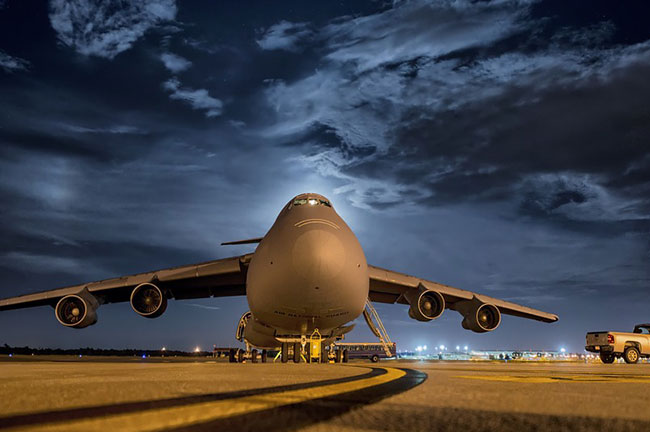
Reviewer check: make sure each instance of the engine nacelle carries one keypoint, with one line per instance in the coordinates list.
(77, 310)
(426, 305)
(478, 317)
(148, 300)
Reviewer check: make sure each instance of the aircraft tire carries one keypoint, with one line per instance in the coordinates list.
(285, 352)
(339, 355)
(374, 358)
(631, 355)
(231, 356)
(264, 356)
(254, 356)
(323, 354)
(240, 355)
(296, 352)
(346, 356)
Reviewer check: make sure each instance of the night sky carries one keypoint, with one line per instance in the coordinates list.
(497, 146)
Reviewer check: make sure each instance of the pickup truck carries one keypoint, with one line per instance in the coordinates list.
(613, 345)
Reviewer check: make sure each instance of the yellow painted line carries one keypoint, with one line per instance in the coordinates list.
(559, 378)
(208, 411)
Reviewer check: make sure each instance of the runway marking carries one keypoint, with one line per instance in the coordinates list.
(345, 394)
(594, 378)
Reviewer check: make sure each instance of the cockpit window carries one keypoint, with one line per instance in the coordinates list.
(311, 202)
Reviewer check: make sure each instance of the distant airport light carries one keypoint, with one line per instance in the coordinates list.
(144, 356)
(562, 350)
(442, 347)
(424, 348)
(164, 349)
(457, 347)
(197, 349)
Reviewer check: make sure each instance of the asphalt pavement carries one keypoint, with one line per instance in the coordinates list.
(67, 393)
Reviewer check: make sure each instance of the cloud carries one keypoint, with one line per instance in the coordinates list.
(49, 264)
(105, 29)
(198, 99)
(201, 306)
(578, 197)
(448, 102)
(174, 62)
(118, 129)
(415, 29)
(284, 35)
(12, 64)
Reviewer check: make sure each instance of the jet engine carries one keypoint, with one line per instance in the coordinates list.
(478, 317)
(426, 305)
(77, 310)
(148, 300)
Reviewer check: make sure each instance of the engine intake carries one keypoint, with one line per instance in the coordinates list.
(148, 300)
(426, 305)
(77, 310)
(479, 317)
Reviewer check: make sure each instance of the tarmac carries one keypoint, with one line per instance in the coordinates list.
(51, 393)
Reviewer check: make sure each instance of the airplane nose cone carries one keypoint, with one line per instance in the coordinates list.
(318, 256)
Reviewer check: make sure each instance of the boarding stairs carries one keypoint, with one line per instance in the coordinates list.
(377, 327)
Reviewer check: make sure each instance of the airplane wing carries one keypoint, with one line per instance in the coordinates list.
(387, 286)
(219, 278)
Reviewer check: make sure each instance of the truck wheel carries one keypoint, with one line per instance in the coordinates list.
(264, 356)
(254, 356)
(374, 358)
(631, 355)
(607, 358)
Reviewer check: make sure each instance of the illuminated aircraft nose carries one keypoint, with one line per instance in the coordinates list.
(318, 256)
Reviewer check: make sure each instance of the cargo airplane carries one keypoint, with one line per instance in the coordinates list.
(308, 272)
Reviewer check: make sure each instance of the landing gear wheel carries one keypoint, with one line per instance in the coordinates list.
(231, 356)
(346, 356)
(254, 356)
(631, 355)
(285, 352)
(607, 358)
(374, 358)
(323, 354)
(308, 351)
(296, 352)
(240, 355)
(339, 355)
(264, 356)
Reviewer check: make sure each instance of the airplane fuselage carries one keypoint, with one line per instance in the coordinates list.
(308, 272)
